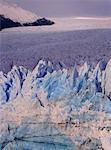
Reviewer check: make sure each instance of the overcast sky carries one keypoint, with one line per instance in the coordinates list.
(65, 8)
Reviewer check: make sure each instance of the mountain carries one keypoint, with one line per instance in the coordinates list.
(7, 23)
(50, 108)
(16, 13)
(13, 16)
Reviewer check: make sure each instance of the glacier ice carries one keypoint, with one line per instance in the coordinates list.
(56, 83)
(56, 107)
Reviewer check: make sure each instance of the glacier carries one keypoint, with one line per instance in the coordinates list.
(55, 107)
(56, 81)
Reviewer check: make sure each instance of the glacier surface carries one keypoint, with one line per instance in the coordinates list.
(53, 107)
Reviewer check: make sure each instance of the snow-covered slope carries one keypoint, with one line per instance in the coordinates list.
(16, 13)
(56, 108)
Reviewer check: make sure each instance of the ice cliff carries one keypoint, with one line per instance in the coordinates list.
(53, 107)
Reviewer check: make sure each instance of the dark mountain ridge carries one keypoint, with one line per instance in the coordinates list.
(8, 23)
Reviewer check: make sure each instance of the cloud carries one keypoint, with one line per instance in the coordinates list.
(67, 7)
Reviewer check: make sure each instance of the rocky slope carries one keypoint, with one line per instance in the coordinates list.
(7, 23)
(56, 108)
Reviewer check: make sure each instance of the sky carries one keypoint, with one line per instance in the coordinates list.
(67, 8)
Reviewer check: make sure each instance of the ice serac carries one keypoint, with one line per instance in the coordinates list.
(11, 84)
(55, 107)
(108, 79)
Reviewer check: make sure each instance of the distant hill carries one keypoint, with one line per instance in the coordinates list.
(7, 23)
(40, 22)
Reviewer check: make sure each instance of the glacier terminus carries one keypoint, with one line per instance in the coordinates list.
(53, 108)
